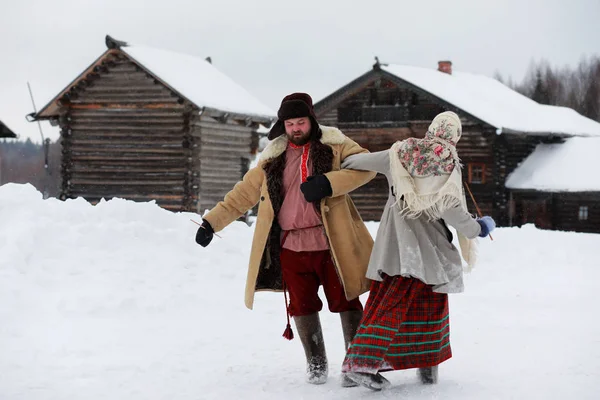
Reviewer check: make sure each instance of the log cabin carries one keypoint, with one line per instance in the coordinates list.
(500, 126)
(145, 124)
(557, 187)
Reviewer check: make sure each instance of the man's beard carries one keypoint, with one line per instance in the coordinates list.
(299, 141)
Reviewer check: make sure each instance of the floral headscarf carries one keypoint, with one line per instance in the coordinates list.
(436, 153)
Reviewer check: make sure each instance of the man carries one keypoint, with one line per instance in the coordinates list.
(308, 232)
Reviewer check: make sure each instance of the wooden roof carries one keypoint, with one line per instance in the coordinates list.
(5, 131)
(191, 78)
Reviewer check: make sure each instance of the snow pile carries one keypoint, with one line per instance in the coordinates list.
(116, 301)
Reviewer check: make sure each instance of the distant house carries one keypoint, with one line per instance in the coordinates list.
(5, 131)
(558, 187)
(148, 124)
(500, 126)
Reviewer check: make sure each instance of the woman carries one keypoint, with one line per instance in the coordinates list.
(414, 264)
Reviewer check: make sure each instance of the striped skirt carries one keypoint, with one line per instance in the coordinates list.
(404, 325)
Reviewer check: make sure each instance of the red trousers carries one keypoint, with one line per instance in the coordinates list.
(303, 273)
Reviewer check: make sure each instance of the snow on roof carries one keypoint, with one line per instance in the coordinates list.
(564, 167)
(495, 103)
(198, 80)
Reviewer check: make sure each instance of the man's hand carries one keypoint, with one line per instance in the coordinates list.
(315, 188)
(205, 234)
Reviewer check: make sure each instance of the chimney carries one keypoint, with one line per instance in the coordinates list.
(445, 66)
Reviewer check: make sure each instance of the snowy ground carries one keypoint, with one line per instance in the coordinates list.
(116, 301)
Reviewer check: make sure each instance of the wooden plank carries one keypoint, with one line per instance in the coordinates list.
(229, 170)
(235, 149)
(142, 176)
(127, 113)
(129, 128)
(111, 158)
(124, 191)
(220, 176)
(117, 135)
(216, 128)
(123, 99)
(219, 163)
(124, 150)
(128, 169)
(110, 87)
(132, 165)
(128, 182)
(127, 67)
(175, 119)
(125, 77)
(216, 140)
(127, 106)
(215, 189)
(219, 182)
(146, 141)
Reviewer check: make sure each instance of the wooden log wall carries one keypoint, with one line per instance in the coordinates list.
(371, 198)
(509, 152)
(380, 104)
(330, 118)
(127, 135)
(476, 147)
(566, 211)
(558, 211)
(224, 152)
(532, 207)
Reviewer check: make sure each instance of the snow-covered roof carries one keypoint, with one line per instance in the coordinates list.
(495, 103)
(198, 80)
(192, 77)
(565, 167)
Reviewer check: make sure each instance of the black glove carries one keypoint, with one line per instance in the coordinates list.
(315, 188)
(205, 234)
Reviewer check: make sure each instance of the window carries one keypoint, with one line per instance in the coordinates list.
(583, 213)
(476, 173)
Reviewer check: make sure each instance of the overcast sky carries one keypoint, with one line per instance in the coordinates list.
(275, 47)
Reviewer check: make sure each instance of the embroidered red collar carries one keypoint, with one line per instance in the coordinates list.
(304, 159)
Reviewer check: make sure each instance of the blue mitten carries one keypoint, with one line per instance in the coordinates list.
(487, 225)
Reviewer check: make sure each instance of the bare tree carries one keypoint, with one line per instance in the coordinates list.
(577, 88)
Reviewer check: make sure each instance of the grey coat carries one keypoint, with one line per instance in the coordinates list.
(415, 248)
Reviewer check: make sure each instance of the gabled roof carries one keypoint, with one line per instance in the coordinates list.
(193, 78)
(565, 167)
(485, 99)
(5, 131)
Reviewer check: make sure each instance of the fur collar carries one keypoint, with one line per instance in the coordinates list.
(331, 136)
